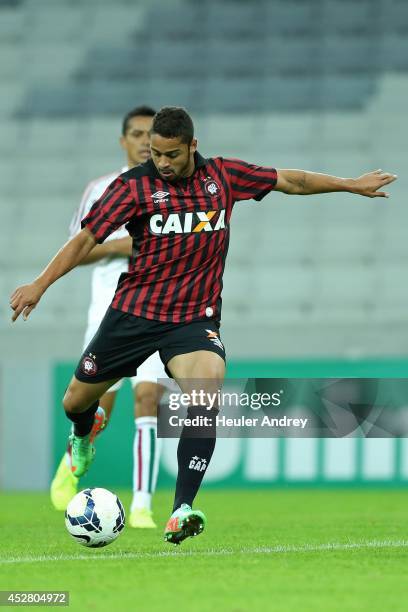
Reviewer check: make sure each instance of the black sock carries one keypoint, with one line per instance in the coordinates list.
(83, 421)
(194, 452)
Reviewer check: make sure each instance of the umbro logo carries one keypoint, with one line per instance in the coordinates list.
(160, 197)
(213, 337)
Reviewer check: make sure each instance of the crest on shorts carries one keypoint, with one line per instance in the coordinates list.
(88, 365)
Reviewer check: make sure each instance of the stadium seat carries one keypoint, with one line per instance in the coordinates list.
(56, 210)
(9, 4)
(11, 133)
(392, 249)
(291, 83)
(231, 95)
(284, 285)
(341, 92)
(394, 16)
(11, 60)
(229, 58)
(394, 52)
(348, 16)
(285, 94)
(123, 20)
(52, 138)
(235, 20)
(184, 60)
(11, 101)
(293, 57)
(292, 18)
(173, 22)
(111, 98)
(342, 286)
(53, 101)
(174, 92)
(113, 63)
(391, 295)
(347, 244)
(238, 284)
(63, 23)
(11, 24)
(349, 54)
(287, 245)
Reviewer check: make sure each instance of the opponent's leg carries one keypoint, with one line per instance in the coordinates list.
(146, 453)
(193, 453)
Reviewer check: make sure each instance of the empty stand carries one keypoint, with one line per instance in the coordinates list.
(314, 84)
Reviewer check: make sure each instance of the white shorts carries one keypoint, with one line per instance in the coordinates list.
(150, 371)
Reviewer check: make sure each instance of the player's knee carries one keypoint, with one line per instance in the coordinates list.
(71, 402)
(146, 403)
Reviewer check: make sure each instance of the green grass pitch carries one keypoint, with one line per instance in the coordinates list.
(281, 550)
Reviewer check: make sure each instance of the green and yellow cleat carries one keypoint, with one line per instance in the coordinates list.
(64, 485)
(82, 454)
(184, 523)
(65, 482)
(142, 518)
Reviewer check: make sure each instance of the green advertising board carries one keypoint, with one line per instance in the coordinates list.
(253, 462)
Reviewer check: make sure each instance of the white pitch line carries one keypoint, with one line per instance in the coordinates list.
(259, 550)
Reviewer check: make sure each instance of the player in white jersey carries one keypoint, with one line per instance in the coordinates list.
(111, 259)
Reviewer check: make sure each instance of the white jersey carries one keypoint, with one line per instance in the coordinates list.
(106, 272)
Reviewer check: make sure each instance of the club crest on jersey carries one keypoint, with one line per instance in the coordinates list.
(188, 223)
(160, 197)
(212, 188)
(88, 365)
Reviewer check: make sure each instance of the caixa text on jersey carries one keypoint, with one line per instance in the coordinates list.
(188, 222)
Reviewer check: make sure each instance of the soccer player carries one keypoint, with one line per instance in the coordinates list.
(177, 207)
(112, 259)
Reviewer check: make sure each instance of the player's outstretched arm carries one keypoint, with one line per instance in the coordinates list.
(25, 298)
(300, 182)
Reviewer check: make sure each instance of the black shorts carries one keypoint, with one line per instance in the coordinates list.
(123, 342)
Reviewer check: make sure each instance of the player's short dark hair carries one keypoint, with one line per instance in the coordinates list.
(173, 122)
(138, 111)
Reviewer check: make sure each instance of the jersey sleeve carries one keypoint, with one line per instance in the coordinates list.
(248, 181)
(114, 208)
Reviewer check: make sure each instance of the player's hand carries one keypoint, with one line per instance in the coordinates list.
(24, 299)
(369, 184)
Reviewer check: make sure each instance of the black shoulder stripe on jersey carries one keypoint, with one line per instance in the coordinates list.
(259, 177)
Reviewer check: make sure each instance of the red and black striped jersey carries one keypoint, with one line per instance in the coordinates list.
(180, 234)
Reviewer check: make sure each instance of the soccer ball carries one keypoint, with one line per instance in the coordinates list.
(95, 517)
